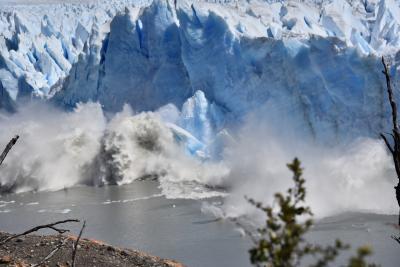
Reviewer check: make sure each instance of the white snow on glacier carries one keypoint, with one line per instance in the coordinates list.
(195, 74)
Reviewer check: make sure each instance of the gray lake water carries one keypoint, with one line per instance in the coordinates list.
(137, 216)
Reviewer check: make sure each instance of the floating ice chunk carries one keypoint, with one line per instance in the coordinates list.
(7, 202)
(111, 202)
(141, 198)
(61, 211)
(32, 204)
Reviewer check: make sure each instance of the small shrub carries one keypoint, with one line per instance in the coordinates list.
(281, 243)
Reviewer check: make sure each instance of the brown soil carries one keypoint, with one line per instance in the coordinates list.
(32, 249)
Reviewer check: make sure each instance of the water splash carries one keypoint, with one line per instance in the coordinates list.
(59, 150)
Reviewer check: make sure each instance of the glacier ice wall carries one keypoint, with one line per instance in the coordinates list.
(312, 65)
(39, 43)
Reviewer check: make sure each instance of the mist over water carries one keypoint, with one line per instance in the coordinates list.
(354, 176)
(60, 149)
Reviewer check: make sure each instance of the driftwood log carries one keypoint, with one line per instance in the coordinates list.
(394, 148)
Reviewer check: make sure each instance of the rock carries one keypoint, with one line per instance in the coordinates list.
(110, 248)
(21, 264)
(92, 254)
(5, 259)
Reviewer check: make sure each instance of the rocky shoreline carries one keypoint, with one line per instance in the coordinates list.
(31, 250)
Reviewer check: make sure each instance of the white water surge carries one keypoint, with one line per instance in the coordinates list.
(58, 150)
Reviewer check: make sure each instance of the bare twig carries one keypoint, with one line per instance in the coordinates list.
(8, 148)
(396, 238)
(75, 247)
(37, 228)
(52, 253)
(60, 231)
(387, 143)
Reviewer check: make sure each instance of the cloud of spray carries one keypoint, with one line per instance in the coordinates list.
(347, 177)
(59, 149)
(54, 148)
(141, 146)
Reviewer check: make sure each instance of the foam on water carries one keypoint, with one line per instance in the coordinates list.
(32, 203)
(131, 199)
(60, 211)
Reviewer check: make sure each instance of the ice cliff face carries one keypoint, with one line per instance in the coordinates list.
(313, 65)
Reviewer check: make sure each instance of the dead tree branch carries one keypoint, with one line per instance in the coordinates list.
(390, 93)
(397, 239)
(37, 228)
(75, 246)
(8, 148)
(387, 143)
(395, 147)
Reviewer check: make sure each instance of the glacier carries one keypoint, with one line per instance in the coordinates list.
(314, 63)
(169, 89)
